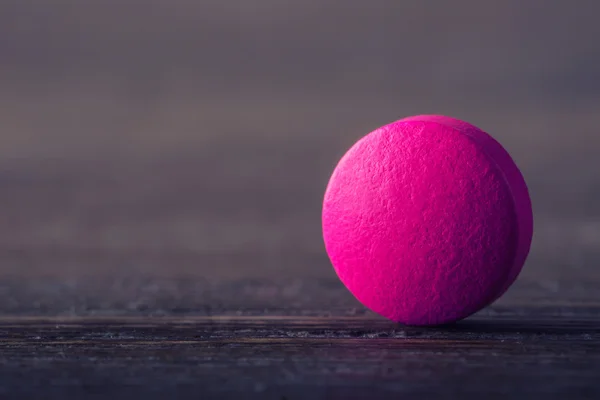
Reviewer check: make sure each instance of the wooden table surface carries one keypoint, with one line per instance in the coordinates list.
(121, 322)
(503, 353)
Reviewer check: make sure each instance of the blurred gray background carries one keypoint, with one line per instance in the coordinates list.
(191, 141)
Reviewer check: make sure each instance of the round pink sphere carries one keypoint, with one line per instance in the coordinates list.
(427, 220)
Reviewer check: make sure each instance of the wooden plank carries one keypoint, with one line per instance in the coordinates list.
(288, 357)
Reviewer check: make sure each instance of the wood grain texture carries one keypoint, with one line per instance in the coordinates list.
(298, 357)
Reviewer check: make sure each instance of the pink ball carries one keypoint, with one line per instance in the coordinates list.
(427, 220)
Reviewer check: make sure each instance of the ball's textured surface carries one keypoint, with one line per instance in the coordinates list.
(427, 220)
